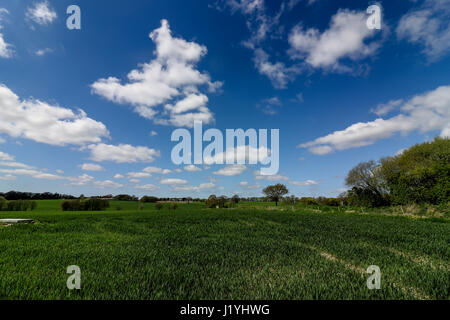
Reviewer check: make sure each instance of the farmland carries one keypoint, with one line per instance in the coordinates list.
(254, 251)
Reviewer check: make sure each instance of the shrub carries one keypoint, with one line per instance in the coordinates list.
(292, 200)
(216, 202)
(2, 203)
(365, 197)
(158, 206)
(333, 202)
(308, 201)
(125, 197)
(211, 202)
(20, 205)
(230, 204)
(173, 206)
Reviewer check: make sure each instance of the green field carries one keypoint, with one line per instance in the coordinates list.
(249, 252)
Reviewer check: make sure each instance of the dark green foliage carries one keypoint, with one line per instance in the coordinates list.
(86, 204)
(173, 206)
(17, 195)
(235, 199)
(216, 202)
(158, 206)
(125, 197)
(421, 174)
(149, 199)
(308, 201)
(2, 203)
(365, 197)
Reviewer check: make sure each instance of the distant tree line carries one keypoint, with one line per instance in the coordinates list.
(16, 195)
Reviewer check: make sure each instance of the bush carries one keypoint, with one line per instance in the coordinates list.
(86, 204)
(20, 205)
(420, 174)
(292, 200)
(235, 199)
(2, 203)
(173, 206)
(158, 206)
(308, 201)
(230, 204)
(365, 197)
(216, 202)
(125, 197)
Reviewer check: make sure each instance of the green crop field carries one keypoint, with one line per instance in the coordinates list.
(249, 252)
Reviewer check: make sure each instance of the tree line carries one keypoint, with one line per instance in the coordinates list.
(419, 175)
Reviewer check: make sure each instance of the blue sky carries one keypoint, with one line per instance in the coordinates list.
(339, 92)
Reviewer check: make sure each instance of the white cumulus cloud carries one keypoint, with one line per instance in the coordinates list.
(425, 112)
(231, 170)
(122, 153)
(172, 181)
(170, 79)
(346, 38)
(91, 167)
(42, 122)
(429, 26)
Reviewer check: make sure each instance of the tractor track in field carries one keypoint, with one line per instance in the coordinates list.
(408, 290)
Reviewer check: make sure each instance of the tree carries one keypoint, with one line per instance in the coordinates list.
(149, 199)
(366, 175)
(235, 199)
(211, 202)
(275, 192)
(420, 174)
(368, 185)
(2, 203)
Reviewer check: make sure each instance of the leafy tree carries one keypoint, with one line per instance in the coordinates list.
(275, 192)
(421, 174)
(149, 199)
(125, 197)
(235, 199)
(211, 202)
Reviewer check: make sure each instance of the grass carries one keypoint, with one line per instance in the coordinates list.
(250, 252)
